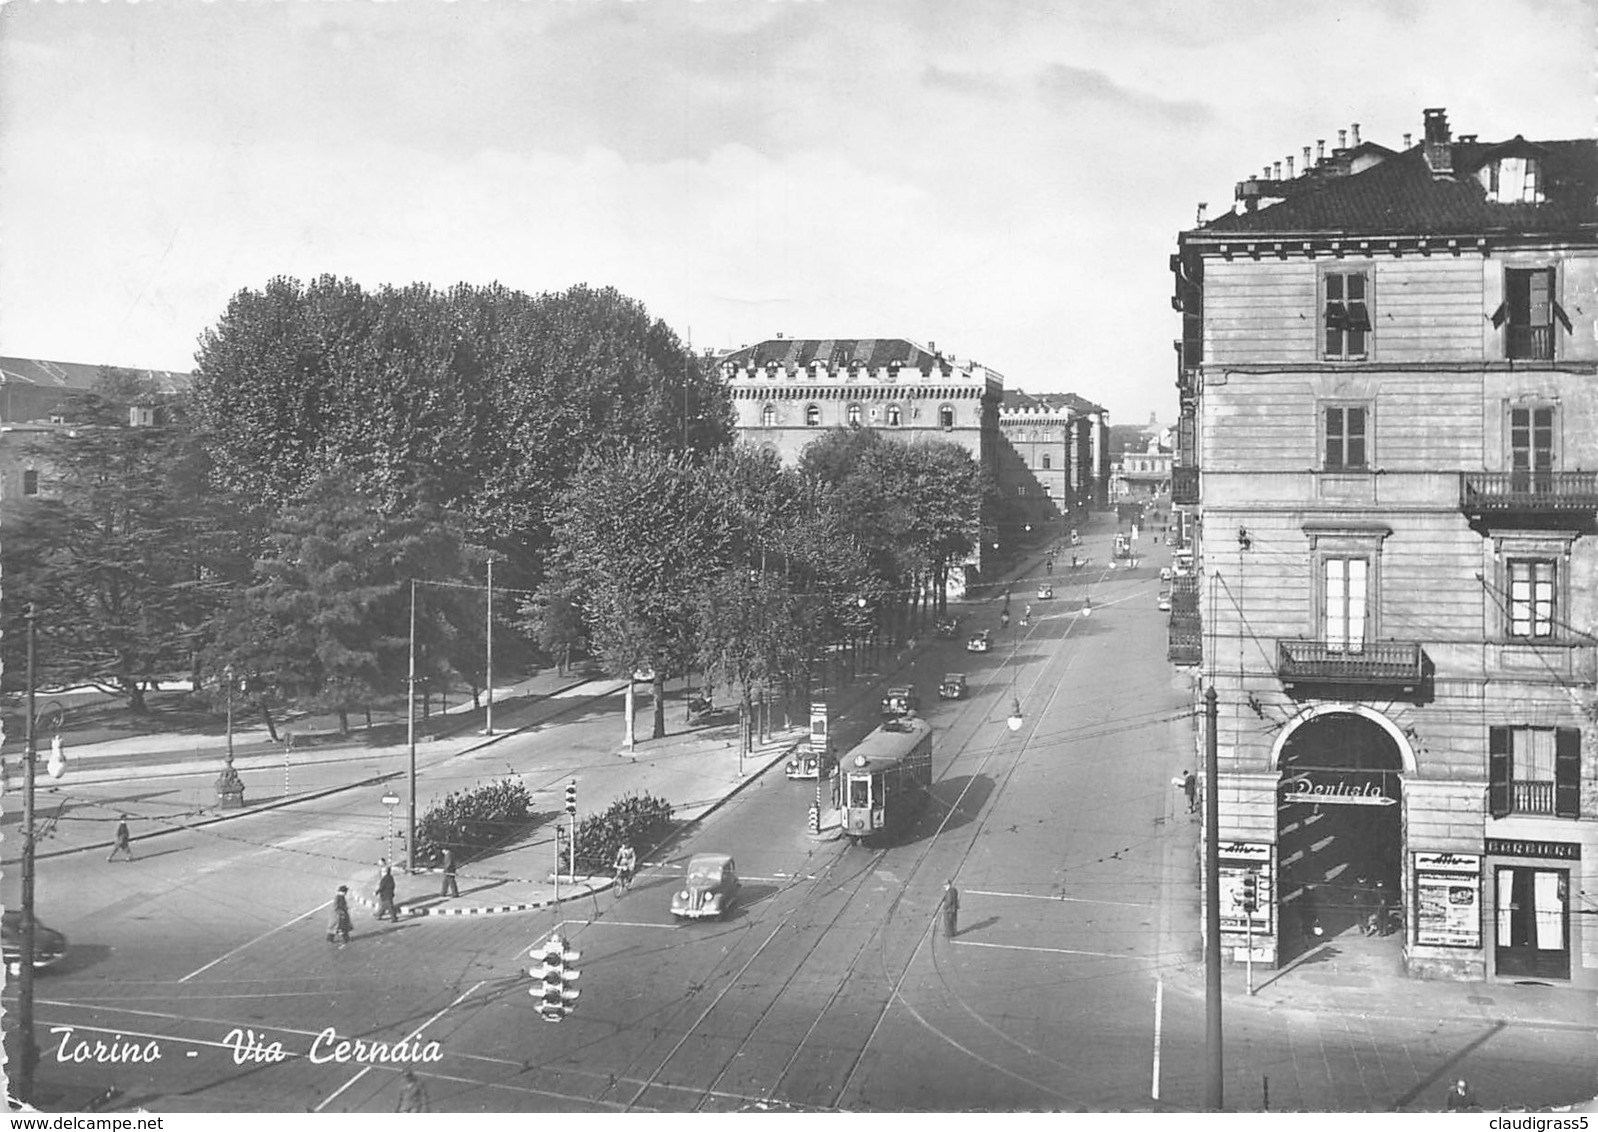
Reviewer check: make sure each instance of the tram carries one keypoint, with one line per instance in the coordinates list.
(886, 777)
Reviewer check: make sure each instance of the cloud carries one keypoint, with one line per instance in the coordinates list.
(964, 83)
(1063, 84)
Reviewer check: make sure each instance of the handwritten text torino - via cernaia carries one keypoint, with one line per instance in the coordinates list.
(248, 1046)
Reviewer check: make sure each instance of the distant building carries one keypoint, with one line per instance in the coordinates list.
(1052, 462)
(1143, 475)
(1389, 435)
(33, 393)
(787, 392)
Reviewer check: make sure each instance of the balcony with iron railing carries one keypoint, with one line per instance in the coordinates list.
(1184, 594)
(1184, 485)
(1529, 343)
(1510, 495)
(1186, 638)
(1395, 665)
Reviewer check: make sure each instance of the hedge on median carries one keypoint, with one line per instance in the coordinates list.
(641, 820)
(473, 821)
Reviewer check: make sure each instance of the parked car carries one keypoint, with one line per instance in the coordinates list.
(948, 627)
(1045, 592)
(709, 888)
(1165, 573)
(900, 700)
(810, 764)
(1076, 539)
(49, 945)
(953, 686)
(1164, 602)
(979, 642)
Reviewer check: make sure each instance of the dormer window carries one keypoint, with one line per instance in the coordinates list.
(1513, 180)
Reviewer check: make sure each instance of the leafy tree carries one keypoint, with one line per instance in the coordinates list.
(326, 622)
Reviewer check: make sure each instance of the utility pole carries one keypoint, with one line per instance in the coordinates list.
(26, 1045)
(1212, 908)
(488, 664)
(410, 740)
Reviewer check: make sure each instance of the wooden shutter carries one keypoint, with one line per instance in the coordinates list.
(1500, 767)
(1567, 772)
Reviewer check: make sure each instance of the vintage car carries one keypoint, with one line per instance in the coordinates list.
(1165, 573)
(948, 627)
(953, 686)
(1076, 539)
(979, 642)
(810, 764)
(709, 888)
(49, 945)
(1164, 602)
(1045, 592)
(900, 700)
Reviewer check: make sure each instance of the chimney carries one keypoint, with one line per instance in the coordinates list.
(1290, 167)
(1320, 149)
(1342, 140)
(932, 346)
(1199, 223)
(1356, 133)
(1267, 174)
(1406, 140)
(1306, 159)
(1278, 175)
(1439, 153)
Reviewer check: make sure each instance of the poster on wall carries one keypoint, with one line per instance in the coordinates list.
(1238, 860)
(1448, 899)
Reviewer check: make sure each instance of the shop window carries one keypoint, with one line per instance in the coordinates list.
(1534, 770)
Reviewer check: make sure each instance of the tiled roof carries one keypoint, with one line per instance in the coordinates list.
(837, 353)
(1020, 399)
(80, 375)
(1402, 196)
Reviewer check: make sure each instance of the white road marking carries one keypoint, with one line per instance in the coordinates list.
(1051, 950)
(254, 941)
(1159, 1020)
(1063, 899)
(407, 1039)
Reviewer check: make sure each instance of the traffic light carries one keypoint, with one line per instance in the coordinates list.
(553, 979)
(1251, 890)
(571, 799)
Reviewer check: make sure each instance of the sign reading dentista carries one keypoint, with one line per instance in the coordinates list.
(1337, 788)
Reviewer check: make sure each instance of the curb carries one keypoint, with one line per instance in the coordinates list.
(487, 741)
(594, 885)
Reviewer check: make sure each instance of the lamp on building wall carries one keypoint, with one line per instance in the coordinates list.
(1245, 540)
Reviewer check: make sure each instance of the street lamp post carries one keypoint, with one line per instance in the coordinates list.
(410, 740)
(229, 787)
(488, 661)
(27, 1047)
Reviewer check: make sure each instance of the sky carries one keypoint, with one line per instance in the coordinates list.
(1004, 178)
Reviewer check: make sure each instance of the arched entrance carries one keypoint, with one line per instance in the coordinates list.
(1339, 825)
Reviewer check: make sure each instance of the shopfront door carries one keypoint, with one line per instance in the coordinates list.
(1533, 917)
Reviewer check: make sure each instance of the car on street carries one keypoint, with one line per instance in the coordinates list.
(948, 627)
(979, 642)
(1164, 601)
(810, 764)
(900, 700)
(49, 945)
(1045, 592)
(953, 686)
(709, 888)
(1165, 573)
(1076, 539)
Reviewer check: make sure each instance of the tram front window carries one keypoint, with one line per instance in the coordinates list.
(860, 792)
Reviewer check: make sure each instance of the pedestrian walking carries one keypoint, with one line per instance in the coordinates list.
(123, 842)
(413, 1097)
(1190, 788)
(1460, 1098)
(951, 910)
(385, 895)
(449, 887)
(339, 927)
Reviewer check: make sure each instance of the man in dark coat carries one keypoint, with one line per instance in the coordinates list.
(339, 926)
(385, 895)
(951, 910)
(123, 842)
(449, 888)
(1190, 788)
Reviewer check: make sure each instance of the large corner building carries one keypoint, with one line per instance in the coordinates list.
(1389, 393)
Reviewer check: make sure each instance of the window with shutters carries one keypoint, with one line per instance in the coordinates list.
(1532, 603)
(1345, 437)
(1047, 462)
(1346, 314)
(1527, 314)
(1534, 770)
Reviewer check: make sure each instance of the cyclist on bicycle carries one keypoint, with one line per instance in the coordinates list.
(1026, 617)
(626, 863)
